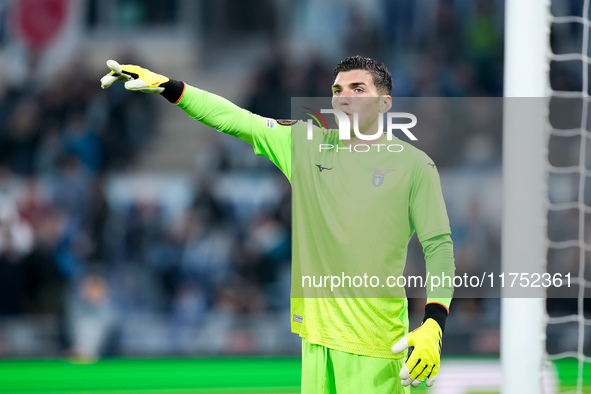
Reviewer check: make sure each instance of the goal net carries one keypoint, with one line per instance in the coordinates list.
(547, 193)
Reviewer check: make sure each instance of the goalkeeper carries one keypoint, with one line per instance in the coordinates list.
(349, 344)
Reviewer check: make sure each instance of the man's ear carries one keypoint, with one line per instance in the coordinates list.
(385, 103)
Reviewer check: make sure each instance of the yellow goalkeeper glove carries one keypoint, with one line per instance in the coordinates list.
(424, 359)
(423, 362)
(135, 77)
(140, 79)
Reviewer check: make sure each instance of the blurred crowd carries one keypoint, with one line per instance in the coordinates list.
(57, 142)
(130, 278)
(442, 49)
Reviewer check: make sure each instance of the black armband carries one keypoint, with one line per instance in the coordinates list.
(437, 312)
(173, 90)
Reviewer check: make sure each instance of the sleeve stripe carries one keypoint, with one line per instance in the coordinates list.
(182, 93)
(443, 305)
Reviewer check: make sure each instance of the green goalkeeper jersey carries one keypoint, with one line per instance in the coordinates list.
(353, 216)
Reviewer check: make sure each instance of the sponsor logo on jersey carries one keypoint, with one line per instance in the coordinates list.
(271, 123)
(378, 177)
(298, 318)
(431, 164)
(320, 168)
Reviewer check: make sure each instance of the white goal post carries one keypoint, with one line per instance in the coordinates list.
(524, 228)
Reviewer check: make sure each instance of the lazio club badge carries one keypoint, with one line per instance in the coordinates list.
(378, 177)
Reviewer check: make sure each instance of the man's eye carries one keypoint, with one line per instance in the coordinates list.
(336, 91)
(358, 90)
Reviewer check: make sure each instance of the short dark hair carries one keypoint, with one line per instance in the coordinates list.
(380, 74)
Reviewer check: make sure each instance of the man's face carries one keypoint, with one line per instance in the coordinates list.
(354, 91)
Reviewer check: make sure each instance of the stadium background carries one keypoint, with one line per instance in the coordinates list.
(132, 234)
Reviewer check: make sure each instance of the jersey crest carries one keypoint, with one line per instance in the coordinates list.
(378, 177)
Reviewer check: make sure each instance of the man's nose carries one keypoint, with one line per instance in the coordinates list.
(346, 93)
(345, 98)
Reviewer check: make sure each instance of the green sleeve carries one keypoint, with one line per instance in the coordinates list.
(428, 214)
(429, 218)
(439, 260)
(268, 138)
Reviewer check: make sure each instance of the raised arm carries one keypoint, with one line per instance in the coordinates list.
(267, 136)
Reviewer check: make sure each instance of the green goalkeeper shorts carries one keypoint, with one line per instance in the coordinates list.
(329, 371)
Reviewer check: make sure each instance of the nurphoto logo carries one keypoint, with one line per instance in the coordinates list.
(344, 125)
